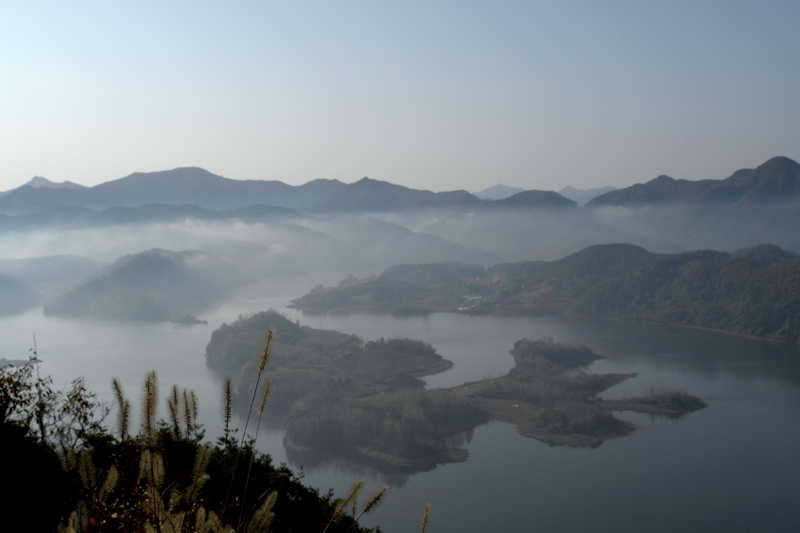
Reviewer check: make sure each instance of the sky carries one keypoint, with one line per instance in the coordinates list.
(431, 95)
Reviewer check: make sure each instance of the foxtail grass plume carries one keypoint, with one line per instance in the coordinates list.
(425, 512)
(149, 404)
(124, 409)
(189, 411)
(110, 483)
(87, 471)
(375, 500)
(372, 503)
(173, 405)
(354, 500)
(263, 516)
(227, 403)
(264, 396)
(262, 361)
(354, 490)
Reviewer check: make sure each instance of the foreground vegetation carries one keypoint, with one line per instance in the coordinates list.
(64, 468)
(754, 292)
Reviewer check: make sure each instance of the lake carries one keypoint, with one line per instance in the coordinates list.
(733, 466)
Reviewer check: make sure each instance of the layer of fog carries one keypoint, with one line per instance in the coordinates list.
(714, 226)
(328, 248)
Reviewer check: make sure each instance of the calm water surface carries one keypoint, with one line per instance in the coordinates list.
(733, 466)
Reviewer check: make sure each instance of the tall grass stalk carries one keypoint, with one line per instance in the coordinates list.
(372, 503)
(354, 490)
(264, 396)
(262, 365)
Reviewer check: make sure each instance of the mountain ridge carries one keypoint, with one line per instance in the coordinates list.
(776, 178)
(197, 186)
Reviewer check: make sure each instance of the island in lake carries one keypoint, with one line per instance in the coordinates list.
(336, 393)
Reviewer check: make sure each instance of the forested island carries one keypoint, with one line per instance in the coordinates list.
(337, 393)
(755, 291)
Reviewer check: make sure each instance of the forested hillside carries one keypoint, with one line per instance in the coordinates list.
(755, 291)
(153, 286)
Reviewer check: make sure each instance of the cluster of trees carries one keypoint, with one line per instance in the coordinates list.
(232, 345)
(409, 346)
(565, 355)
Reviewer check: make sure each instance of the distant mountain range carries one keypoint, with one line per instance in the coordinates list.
(330, 225)
(195, 188)
(776, 180)
(198, 187)
(751, 207)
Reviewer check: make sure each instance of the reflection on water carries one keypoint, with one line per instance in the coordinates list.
(730, 467)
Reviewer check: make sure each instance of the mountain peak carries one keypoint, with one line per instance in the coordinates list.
(582, 196)
(38, 182)
(779, 164)
(497, 192)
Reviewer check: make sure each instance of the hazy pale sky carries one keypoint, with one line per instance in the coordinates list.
(433, 95)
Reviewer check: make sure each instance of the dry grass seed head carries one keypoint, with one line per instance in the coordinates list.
(149, 404)
(189, 410)
(173, 407)
(375, 500)
(264, 396)
(227, 401)
(110, 483)
(425, 512)
(87, 471)
(262, 362)
(263, 516)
